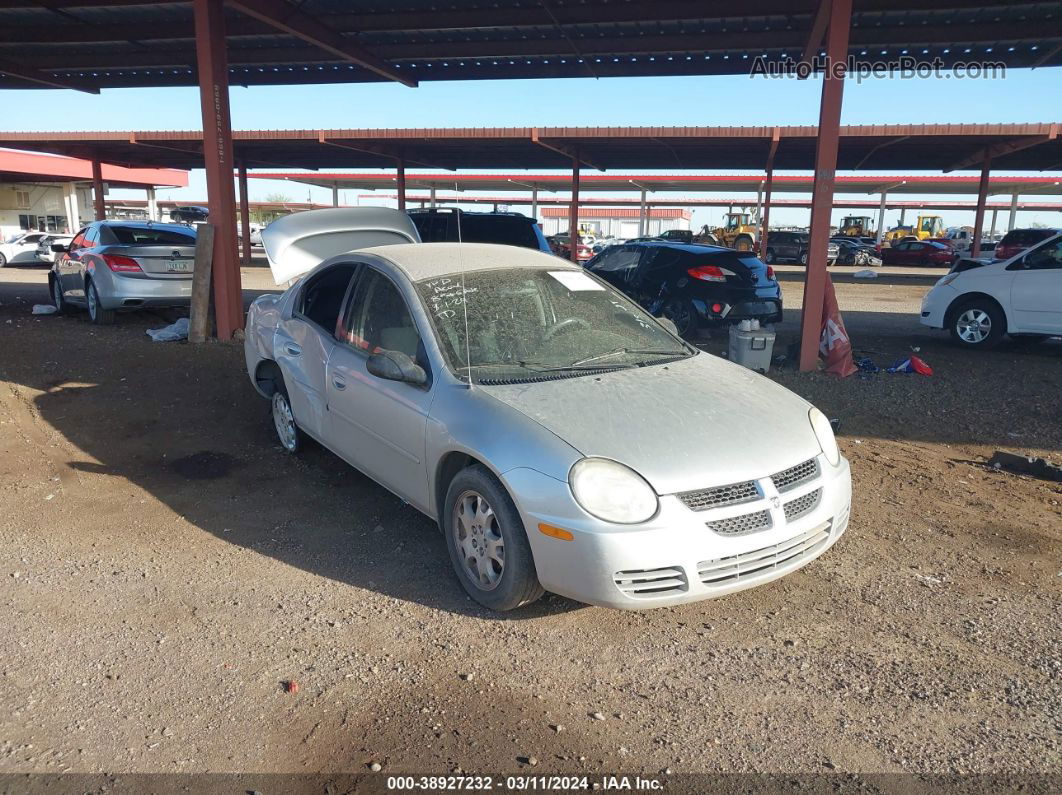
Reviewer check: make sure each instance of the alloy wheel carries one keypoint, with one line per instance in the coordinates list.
(284, 421)
(57, 294)
(479, 541)
(973, 326)
(93, 307)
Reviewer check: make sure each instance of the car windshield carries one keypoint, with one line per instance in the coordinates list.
(522, 322)
(152, 236)
(14, 237)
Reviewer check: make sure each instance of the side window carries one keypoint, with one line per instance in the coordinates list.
(78, 241)
(92, 234)
(379, 318)
(322, 298)
(1048, 257)
(620, 258)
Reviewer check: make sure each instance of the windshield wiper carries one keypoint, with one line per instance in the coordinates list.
(635, 351)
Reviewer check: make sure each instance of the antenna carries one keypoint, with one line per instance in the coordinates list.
(464, 296)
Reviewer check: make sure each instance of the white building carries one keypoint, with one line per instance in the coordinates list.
(50, 193)
(619, 222)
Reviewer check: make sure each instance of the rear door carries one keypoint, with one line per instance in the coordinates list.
(1036, 289)
(305, 340)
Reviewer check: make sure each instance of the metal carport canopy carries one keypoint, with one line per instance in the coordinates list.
(94, 44)
(893, 147)
(669, 183)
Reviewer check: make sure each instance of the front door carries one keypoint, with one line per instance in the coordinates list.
(1036, 290)
(377, 425)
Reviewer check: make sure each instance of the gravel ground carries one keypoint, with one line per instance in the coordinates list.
(165, 571)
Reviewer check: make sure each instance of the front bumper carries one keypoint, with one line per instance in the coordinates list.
(676, 557)
(935, 305)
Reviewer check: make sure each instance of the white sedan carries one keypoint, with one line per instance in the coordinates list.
(979, 302)
(563, 439)
(20, 247)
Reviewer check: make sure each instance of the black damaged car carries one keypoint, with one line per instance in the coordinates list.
(696, 286)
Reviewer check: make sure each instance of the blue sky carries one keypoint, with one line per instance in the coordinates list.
(1022, 96)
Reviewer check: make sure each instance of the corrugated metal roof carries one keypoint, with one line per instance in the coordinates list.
(128, 43)
(617, 212)
(894, 147)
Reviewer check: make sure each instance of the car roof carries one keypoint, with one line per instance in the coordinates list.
(692, 248)
(146, 225)
(425, 260)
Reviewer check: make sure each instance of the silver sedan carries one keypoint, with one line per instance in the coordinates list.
(562, 438)
(113, 266)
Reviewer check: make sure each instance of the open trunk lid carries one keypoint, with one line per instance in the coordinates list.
(297, 243)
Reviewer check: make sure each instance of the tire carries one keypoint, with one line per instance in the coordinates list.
(57, 298)
(768, 257)
(977, 323)
(289, 435)
(487, 542)
(3, 260)
(97, 314)
(683, 314)
(804, 258)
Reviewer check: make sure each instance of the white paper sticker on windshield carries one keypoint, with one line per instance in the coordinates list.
(575, 280)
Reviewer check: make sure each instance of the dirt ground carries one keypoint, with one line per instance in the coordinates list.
(164, 569)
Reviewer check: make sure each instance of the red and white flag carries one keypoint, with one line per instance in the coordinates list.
(834, 345)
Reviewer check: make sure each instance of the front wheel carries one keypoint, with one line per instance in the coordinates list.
(977, 324)
(487, 542)
(804, 258)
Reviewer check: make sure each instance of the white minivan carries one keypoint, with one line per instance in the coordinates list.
(1021, 296)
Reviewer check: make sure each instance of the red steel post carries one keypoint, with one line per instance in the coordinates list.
(97, 191)
(979, 215)
(573, 214)
(218, 160)
(245, 215)
(825, 176)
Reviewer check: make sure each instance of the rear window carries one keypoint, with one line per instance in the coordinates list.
(149, 236)
(502, 229)
(1026, 237)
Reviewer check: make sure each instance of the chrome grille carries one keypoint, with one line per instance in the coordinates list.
(794, 509)
(740, 525)
(761, 561)
(645, 583)
(734, 494)
(794, 476)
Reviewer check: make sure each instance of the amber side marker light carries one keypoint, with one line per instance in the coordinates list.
(555, 532)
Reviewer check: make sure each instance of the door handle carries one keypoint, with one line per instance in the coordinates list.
(292, 349)
(338, 382)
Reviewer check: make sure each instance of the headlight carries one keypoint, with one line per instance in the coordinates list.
(611, 491)
(824, 433)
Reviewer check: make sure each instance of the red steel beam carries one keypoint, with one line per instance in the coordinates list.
(979, 214)
(97, 191)
(245, 214)
(825, 175)
(818, 30)
(573, 213)
(218, 159)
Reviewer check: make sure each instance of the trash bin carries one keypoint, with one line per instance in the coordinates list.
(751, 345)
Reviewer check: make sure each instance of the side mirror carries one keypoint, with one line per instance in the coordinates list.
(669, 324)
(59, 248)
(396, 366)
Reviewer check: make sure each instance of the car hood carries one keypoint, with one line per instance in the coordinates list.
(685, 425)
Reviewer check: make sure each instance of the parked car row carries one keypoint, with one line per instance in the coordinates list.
(25, 247)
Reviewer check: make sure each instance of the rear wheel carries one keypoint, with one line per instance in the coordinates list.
(288, 433)
(803, 258)
(97, 314)
(683, 314)
(3, 260)
(487, 542)
(977, 323)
